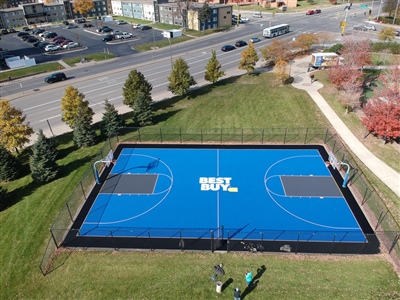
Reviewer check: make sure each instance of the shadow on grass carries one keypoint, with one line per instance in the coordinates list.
(17, 195)
(73, 166)
(164, 116)
(226, 284)
(249, 289)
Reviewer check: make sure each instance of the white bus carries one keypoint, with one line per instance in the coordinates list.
(273, 31)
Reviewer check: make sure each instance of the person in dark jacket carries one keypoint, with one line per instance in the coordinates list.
(236, 294)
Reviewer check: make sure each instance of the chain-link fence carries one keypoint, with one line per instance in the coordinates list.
(377, 213)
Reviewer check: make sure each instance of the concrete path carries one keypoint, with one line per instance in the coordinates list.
(302, 81)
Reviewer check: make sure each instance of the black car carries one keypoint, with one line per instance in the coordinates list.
(60, 76)
(227, 48)
(4, 31)
(25, 37)
(12, 30)
(50, 35)
(37, 31)
(22, 33)
(87, 25)
(26, 28)
(32, 40)
(107, 38)
(240, 44)
(145, 27)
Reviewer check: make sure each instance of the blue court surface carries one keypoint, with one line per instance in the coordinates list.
(237, 193)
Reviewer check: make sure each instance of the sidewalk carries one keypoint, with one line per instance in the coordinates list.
(302, 81)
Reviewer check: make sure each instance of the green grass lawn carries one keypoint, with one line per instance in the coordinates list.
(247, 101)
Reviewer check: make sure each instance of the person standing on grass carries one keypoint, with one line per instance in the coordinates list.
(236, 294)
(249, 278)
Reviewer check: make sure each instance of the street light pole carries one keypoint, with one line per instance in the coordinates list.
(170, 48)
(395, 13)
(379, 11)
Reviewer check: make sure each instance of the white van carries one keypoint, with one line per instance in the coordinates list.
(257, 15)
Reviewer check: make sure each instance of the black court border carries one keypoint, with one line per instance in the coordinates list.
(370, 246)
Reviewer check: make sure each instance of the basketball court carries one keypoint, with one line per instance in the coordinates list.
(175, 196)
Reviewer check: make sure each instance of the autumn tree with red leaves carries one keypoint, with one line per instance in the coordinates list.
(382, 112)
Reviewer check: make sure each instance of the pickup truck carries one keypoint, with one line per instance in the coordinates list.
(124, 35)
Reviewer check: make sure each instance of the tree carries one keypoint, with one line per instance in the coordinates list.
(134, 84)
(204, 14)
(352, 89)
(249, 59)
(42, 162)
(13, 132)
(4, 198)
(180, 80)
(277, 50)
(182, 11)
(356, 53)
(325, 37)
(304, 42)
(281, 71)
(143, 111)
(9, 167)
(111, 121)
(83, 6)
(387, 34)
(84, 134)
(71, 104)
(390, 7)
(213, 69)
(382, 118)
(382, 112)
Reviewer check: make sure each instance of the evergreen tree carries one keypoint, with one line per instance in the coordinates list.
(71, 104)
(204, 14)
(180, 80)
(42, 162)
(134, 84)
(143, 111)
(84, 134)
(111, 121)
(9, 167)
(249, 59)
(13, 132)
(213, 69)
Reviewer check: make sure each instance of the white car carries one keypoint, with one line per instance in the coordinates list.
(50, 48)
(43, 33)
(244, 19)
(136, 25)
(124, 35)
(71, 45)
(370, 27)
(118, 32)
(121, 22)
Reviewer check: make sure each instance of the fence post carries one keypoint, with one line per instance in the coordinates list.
(396, 239)
(298, 240)
(112, 239)
(333, 243)
(180, 135)
(212, 241)
(220, 139)
(228, 241)
(83, 191)
(148, 233)
(140, 137)
(365, 197)
(54, 239)
(201, 135)
(380, 219)
(161, 137)
(242, 136)
(284, 137)
(305, 138)
(326, 135)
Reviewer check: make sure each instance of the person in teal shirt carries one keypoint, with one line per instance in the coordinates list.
(249, 278)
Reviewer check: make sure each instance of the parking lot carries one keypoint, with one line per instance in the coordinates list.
(88, 38)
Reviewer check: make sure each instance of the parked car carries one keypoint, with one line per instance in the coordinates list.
(25, 37)
(117, 32)
(244, 19)
(66, 23)
(4, 31)
(60, 37)
(136, 25)
(255, 40)
(22, 33)
(59, 76)
(44, 44)
(240, 44)
(12, 30)
(71, 45)
(51, 48)
(71, 26)
(121, 22)
(32, 40)
(87, 25)
(79, 21)
(65, 42)
(26, 28)
(144, 27)
(107, 30)
(124, 35)
(43, 33)
(38, 30)
(227, 48)
(107, 38)
(50, 35)
(309, 12)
